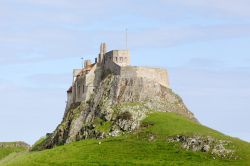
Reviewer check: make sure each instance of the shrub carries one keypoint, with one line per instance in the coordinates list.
(125, 116)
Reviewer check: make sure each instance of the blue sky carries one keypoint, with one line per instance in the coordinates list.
(204, 44)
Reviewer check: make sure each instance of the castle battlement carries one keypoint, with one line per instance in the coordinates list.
(87, 79)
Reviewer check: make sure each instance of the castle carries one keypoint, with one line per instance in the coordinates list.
(86, 80)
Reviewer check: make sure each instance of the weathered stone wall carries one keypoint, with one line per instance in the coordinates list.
(83, 87)
(120, 57)
(79, 86)
(75, 73)
(113, 67)
(156, 74)
(89, 83)
(69, 100)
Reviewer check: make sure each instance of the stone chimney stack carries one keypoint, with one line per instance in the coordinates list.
(103, 50)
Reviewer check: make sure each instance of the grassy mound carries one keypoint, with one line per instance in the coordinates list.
(139, 148)
(7, 148)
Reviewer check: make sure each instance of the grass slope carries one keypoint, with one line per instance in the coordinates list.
(8, 148)
(136, 149)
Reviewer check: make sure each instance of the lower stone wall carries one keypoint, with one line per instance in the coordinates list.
(90, 83)
(113, 67)
(156, 74)
(86, 85)
(83, 86)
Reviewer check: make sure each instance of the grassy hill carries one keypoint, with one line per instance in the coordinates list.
(7, 148)
(148, 146)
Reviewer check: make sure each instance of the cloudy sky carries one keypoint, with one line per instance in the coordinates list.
(204, 44)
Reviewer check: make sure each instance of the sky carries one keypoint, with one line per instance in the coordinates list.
(204, 45)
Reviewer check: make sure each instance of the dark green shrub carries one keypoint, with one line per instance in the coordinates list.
(125, 116)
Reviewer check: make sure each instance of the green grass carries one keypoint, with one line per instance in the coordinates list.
(5, 151)
(37, 144)
(136, 149)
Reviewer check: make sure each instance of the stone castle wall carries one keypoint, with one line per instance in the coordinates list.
(85, 85)
(113, 67)
(87, 80)
(156, 74)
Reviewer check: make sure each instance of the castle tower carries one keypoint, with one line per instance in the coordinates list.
(103, 50)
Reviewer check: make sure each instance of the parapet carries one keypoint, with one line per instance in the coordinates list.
(156, 74)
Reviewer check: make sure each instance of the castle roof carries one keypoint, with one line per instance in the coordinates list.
(86, 69)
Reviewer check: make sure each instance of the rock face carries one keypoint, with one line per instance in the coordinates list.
(217, 148)
(117, 106)
(14, 145)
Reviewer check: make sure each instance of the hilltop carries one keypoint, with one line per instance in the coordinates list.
(110, 97)
(111, 112)
(149, 145)
(118, 114)
(7, 148)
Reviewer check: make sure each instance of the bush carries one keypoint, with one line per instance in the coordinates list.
(125, 116)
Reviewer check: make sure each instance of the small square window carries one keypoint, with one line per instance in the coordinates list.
(121, 59)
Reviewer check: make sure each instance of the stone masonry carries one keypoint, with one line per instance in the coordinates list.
(117, 62)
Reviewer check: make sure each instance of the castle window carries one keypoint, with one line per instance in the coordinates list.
(121, 59)
(116, 59)
(83, 89)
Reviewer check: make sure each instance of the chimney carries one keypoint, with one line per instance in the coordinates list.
(103, 50)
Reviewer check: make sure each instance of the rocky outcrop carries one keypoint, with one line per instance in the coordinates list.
(14, 145)
(117, 106)
(217, 148)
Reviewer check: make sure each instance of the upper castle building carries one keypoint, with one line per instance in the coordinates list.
(117, 62)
